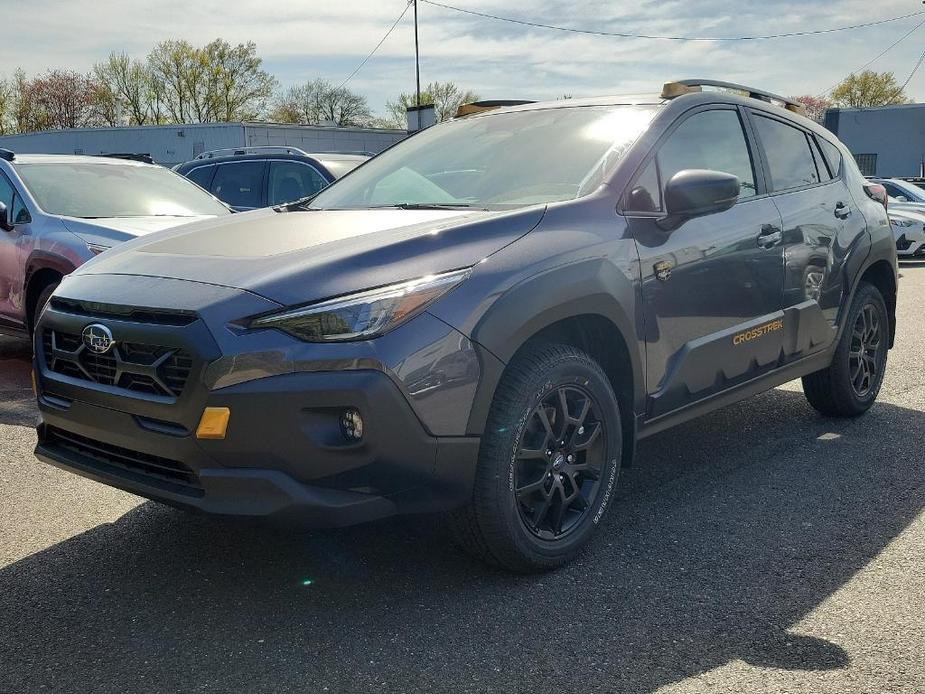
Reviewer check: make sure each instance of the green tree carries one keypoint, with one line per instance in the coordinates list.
(446, 98)
(869, 88)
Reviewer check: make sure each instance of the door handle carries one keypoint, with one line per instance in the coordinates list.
(770, 236)
(842, 211)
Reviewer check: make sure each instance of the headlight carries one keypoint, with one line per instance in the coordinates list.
(903, 223)
(363, 315)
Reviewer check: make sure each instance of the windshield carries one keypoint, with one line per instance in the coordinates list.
(90, 190)
(907, 190)
(495, 161)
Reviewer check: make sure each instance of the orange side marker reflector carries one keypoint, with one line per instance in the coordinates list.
(213, 423)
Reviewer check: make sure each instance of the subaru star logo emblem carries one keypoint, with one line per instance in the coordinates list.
(97, 338)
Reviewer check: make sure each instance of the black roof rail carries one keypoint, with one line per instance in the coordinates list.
(681, 87)
(142, 157)
(7, 154)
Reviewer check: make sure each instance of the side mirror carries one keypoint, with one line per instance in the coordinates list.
(902, 198)
(5, 223)
(698, 192)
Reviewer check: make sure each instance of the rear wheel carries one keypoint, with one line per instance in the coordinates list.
(548, 463)
(849, 386)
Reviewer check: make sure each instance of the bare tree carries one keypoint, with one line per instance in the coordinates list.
(317, 102)
(64, 98)
(446, 98)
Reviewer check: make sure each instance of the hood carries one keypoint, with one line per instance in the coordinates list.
(298, 257)
(108, 231)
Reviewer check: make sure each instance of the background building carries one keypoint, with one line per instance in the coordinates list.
(173, 144)
(885, 140)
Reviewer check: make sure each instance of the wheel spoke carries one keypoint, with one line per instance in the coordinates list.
(533, 453)
(531, 488)
(590, 437)
(559, 515)
(540, 513)
(544, 420)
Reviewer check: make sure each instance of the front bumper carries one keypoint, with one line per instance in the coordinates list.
(284, 454)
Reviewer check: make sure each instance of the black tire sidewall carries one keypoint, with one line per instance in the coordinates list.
(866, 295)
(40, 302)
(580, 371)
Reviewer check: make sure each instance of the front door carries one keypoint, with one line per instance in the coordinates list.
(11, 261)
(711, 288)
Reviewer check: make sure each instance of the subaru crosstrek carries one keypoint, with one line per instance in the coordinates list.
(482, 320)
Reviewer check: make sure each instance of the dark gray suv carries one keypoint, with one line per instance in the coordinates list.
(483, 320)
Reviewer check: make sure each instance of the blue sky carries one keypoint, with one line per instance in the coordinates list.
(304, 39)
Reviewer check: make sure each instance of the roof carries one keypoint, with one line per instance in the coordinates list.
(74, 159)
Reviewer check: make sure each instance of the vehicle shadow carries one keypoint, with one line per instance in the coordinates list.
(727, 532)
(17, 402)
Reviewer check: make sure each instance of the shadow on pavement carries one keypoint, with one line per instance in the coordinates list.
(729, 531)
(17, 403)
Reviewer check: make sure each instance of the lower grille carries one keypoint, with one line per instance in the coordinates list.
(96, 453)
(141, 368)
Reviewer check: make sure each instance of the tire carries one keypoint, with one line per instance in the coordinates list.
(40, 302)
(563, 467)
(842, 389)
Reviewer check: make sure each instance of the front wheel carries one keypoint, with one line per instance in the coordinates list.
(548, 462)
(849, 386)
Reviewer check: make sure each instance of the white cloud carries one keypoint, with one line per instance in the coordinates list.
(301, 39)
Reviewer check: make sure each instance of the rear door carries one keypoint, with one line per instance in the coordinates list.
(820, 224)
(240, 184)
(712, 287)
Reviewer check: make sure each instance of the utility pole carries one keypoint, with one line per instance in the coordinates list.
(417, 65)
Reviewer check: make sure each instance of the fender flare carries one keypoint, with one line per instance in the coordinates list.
(592, 287)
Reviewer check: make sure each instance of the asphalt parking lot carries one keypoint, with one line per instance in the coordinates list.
(761, 548)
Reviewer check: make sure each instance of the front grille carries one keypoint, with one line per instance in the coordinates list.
(142, 368)
(159, 470)
(136, 315)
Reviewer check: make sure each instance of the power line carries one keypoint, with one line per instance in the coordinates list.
(628, 35)
(378, 45)
(879, 55)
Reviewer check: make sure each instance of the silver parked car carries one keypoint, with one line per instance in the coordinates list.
(58, 211)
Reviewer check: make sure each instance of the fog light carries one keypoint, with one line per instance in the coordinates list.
(351, 424)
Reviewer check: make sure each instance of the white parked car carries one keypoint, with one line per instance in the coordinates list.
(909, 231)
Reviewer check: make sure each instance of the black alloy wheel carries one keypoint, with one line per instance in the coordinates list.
(557, 474)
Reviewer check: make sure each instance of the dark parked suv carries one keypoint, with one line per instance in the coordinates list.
(250, 177)
(483, 320)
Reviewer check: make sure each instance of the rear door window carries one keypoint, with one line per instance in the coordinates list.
(239, 183)
(789, 157)
(6, 192)
(292, 180)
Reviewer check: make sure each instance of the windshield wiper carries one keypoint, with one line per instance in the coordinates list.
(425, 206)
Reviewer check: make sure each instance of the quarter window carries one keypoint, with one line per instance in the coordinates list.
(20, 214)
(709, 140)
(6, 192)
(644, 195)
(832, 155)
(790, 159)
(201, 176)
